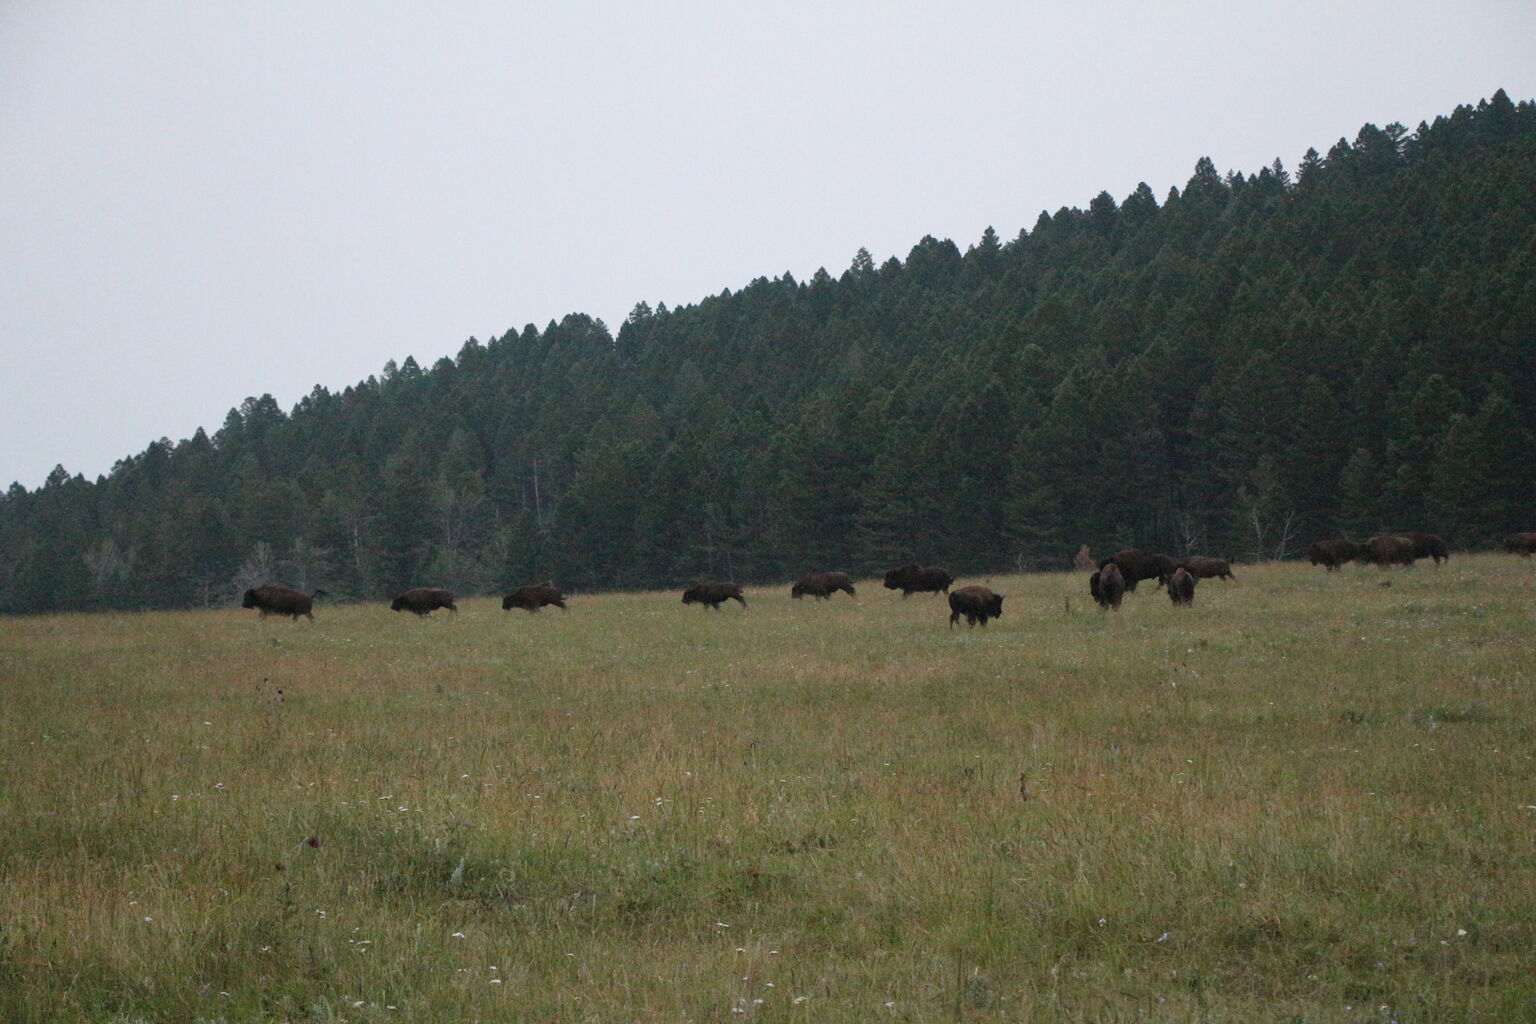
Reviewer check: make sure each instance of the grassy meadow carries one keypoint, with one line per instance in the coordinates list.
(1311, 797)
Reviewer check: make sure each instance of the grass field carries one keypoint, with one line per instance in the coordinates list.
(1311, 797)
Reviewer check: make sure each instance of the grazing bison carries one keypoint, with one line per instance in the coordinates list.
(1522, 544)
(272, 599)
(424, 600)
(1387, 550)
(822, 585)
(1136, 565)
(1202, 567)
(1427, 545)
(711, 594)
(533, 597)
(1181, 587)
(913, 577)
(977, 604)
(1111, 586)
(1333, 553)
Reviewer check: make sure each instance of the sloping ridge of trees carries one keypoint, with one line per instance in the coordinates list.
(1257, 360)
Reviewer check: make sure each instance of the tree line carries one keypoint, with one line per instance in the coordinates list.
(1254, 361)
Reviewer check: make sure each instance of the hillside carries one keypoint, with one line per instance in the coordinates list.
(1254, 360)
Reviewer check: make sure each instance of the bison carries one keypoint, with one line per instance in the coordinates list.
(913, 577)
(977, 604)
(1333, 553)
(1202, 567)
(1522, 544)
(822, 585)
(1181, 587)
(1387, 550)
(272, 599)
(1110, 585)
(712, 594)
(1427, 545)
(424, 600)
(1136, 565)
(533, 597)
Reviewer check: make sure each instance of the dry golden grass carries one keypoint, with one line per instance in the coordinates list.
(1311, 797)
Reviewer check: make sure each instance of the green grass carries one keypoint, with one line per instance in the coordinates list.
(1308, 798)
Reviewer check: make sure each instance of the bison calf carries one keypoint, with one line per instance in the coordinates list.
(533, 597)
(1181, 587)
(424, 600)
(272, 599)
(822, 585)
(977, 604)
(712, 594)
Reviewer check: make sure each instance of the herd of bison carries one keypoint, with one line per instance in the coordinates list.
(1108, 584)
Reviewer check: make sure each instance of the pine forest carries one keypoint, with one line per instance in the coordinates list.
(1237, 368)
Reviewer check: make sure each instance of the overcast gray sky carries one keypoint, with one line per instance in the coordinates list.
(204, 201)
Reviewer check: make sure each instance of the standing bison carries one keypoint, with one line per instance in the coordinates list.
(1108, 586)
(913, 577)
(1522, 544)
(533, 597)
(710, 595)
(977, 604)
(1333, 553)
(272, 599)
(1202, 567)
(1136, 565)
(424, 600)
(822, 585)
(1181, 587)
(1427, 545)
(1387, 550)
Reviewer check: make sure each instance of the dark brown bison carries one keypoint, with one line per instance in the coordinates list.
(533, 597)
(1110, 585)
(1203, 567)
(1387, 550)
(1333, 553)
(1136, 565)
(711, 594)
(272, 599)
(913, 577)
(1427, 545)
(424, 600)
(977, 604)
(1181, 587)
(822, 585)
(1522, 544)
